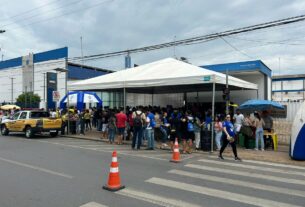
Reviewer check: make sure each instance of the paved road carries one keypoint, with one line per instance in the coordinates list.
(71, 172)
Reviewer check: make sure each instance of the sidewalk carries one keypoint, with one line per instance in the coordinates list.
(280, 156)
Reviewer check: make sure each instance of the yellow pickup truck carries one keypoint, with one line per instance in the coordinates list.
(30, 123)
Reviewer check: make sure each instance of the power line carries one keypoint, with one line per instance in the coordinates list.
(193, 40)
(52, 10)
(199, 39)
(235, 48)
(67, 13)
(280, 42)
(28, 11)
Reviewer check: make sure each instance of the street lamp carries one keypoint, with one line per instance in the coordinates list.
(64, 70)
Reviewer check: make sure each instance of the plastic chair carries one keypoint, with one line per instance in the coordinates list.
(273, 136)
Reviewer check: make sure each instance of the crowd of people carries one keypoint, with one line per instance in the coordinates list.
(167, 124)
(148, 124)
(140, 124)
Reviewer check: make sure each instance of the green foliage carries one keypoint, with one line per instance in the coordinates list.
(28, 99)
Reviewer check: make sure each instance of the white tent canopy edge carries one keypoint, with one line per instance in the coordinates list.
(166, 72)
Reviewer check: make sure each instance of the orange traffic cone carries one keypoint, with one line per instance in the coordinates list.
(114, 183)
(176, 153)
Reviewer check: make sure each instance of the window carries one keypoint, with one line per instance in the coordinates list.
(15, 116)
(23, 115)
(39, 114)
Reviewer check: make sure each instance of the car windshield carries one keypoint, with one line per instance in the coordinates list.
(39, 114)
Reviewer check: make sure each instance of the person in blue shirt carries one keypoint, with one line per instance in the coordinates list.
(150, 127)
(228, 137)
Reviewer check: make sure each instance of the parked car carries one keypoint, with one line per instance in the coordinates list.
(31, 122)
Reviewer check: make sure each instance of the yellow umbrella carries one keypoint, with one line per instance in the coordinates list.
(9, 106)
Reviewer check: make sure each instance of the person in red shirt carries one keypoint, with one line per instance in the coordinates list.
(130, 122)
(121, 124)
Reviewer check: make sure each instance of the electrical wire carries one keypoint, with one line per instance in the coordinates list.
(188, 41)
(199, 39)
(67, 13)
(28, 11)
(280, 42)
(49, 11)
(235, 48)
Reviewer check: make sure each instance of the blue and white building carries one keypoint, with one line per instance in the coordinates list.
(252, 71)
(288, 87)
(36, 73)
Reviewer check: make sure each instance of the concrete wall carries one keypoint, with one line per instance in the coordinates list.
(258, 79)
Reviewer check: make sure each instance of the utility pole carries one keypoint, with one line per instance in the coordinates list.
(44, 87)
(175, 47)
(127, 65)
(81, 49)
(12, 92)
(227, 87)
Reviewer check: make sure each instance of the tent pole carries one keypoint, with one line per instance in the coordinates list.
(124, 94)
(67, 94)
(185, 100)
(213, 112)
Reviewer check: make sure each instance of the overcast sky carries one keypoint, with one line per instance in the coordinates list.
(115, 25)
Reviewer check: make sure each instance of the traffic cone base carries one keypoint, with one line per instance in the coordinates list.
(113, 189)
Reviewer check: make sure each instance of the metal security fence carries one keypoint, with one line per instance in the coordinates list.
(282, 126)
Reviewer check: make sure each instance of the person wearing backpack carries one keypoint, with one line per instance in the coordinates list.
(150, 125)
(138, 121)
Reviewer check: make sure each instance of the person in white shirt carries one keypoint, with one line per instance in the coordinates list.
(238, 120)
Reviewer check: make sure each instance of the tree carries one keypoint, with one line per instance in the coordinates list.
(28, 100)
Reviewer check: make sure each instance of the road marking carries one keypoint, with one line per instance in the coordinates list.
(93, 204)
(154, 199)
(270, 164)
(252, 200)
(267, 169)
(98, 148)
(101, 150)
(240, 183)
(36, 168)
(140, 153)
(248, 174)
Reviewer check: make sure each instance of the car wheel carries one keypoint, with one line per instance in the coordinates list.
(54, 134)
(4, 130)
(28, 132)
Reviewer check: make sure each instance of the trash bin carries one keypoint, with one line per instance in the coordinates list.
(205, 140)
(297, 142)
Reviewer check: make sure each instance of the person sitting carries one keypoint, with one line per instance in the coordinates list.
(268, 127)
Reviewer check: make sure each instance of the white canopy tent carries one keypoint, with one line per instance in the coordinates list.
(163, 76)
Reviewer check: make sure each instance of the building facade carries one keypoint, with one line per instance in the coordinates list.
(288, 88)
(37, 73)
(252, 71)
